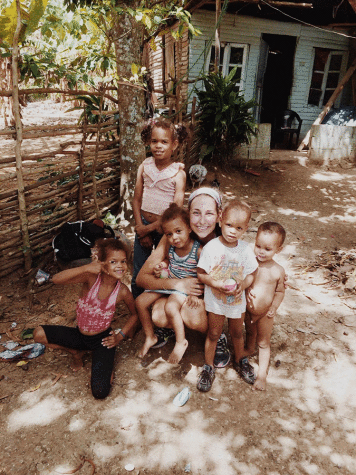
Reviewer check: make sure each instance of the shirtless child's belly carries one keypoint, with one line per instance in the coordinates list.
(260, 295)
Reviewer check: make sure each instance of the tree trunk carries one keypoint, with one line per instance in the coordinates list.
(128, 48)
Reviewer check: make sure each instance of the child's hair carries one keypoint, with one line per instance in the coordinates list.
(179, 132)
(239, 206)
(273, 228)
(173, 212)
(103, 246)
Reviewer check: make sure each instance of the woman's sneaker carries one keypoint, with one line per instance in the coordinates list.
(206, 378)
(222, 352)
(163, 335)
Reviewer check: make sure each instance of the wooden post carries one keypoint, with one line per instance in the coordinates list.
(329, 104)
(97, 143)
(18, 126)
(217, 36)
(81, 168)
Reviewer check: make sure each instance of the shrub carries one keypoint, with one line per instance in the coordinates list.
(226, 119)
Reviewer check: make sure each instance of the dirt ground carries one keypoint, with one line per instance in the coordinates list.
(305, 423)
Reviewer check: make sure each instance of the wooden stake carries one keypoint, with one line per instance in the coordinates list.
(18, 126)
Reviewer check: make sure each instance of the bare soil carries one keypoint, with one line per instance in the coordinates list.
(305, 423)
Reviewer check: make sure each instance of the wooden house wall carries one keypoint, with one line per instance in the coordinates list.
(174, 64)
(248, 30)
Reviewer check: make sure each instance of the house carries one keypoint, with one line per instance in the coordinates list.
(284, 60)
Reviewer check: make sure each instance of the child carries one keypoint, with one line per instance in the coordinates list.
(226, 267)
(265, 296)
(102, 289)
(182, 253)
(160, 182)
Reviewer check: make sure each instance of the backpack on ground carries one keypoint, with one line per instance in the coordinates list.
(76, 239)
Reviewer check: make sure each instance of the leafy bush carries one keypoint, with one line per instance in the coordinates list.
(226, 119)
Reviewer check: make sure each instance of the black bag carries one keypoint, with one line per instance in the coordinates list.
(75, 240)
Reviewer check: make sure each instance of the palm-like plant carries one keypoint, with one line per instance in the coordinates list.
(226, 119)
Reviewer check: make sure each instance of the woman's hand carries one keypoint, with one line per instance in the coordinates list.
(189, 286)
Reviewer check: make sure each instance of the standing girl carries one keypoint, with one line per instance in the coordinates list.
(102, 289)
(160, 182)
(182, 254)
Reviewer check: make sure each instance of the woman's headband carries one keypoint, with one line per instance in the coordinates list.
(206, 191)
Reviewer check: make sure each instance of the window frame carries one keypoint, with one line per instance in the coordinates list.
(226, 60)
(326, 72)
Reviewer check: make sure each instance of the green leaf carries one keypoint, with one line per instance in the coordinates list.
(34, 69)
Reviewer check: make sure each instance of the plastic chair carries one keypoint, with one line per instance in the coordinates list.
(289, 123)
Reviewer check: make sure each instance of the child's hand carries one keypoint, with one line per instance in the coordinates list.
(141, 230)
(95, 267)
(271, 313)
(157, 270)
(112, 340)
(146, 242)
(193, 302)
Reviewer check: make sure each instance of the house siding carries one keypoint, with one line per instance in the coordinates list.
(249, 30)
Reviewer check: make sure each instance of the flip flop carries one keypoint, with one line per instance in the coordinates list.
(24, 352)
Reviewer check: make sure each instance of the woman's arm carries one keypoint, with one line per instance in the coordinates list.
(147, 280)
(78, 275)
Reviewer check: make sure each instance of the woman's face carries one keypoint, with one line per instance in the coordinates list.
(203, 214)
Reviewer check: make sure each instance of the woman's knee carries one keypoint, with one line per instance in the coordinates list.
(39, 335)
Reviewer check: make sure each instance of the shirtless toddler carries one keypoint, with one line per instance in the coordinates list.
(264, 296)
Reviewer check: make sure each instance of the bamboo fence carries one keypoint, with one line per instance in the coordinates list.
(78, 178)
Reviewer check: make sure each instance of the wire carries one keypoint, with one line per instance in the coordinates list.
(308, 24)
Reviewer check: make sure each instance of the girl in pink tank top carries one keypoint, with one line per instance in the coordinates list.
(160, 182)
(102, 289)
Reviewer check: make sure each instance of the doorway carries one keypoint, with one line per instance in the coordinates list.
(276, 75)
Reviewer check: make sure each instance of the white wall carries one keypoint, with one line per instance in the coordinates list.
(248, 30)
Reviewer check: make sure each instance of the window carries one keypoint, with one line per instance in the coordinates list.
(231, 55)
(327, 70)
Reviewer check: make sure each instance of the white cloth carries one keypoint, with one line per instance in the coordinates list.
(224, 263)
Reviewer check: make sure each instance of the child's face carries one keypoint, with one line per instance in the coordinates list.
(234, 224)
(267, 245)
(161, 144)
(115, 264)
(177, 232)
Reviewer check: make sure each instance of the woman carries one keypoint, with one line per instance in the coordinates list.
(204, 207)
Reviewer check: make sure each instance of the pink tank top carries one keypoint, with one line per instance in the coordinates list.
(95, 315)
(158, 186)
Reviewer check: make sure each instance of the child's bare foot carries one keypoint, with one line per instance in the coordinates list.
(77, 361)
(147, 345)
(260, 384)
(178, 352)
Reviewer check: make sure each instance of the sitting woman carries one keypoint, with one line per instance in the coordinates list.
(204, 207)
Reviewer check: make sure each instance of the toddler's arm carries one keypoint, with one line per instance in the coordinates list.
(208, 280)
(77, 274)
(278, 296)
